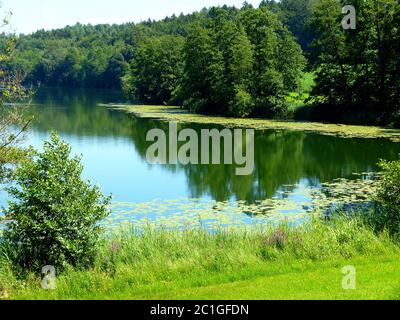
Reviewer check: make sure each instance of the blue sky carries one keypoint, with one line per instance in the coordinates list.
(31, 15)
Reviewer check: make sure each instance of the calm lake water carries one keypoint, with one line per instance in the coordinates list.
(288, 165)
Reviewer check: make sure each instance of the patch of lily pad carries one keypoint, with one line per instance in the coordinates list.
(170, 113)
(284, 207)
(186, 213)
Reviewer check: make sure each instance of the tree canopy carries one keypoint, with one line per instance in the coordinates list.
(358, 70)
(237, 62)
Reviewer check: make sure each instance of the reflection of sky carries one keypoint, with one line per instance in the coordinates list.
(111, 160)
(143, 193)
(114, 164)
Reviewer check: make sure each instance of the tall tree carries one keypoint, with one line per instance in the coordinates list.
(295, 14)
(156, 69)
(275, 54)
(202, 65)
(358, 70)
(241, 65)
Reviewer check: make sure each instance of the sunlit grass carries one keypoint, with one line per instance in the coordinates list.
(258, 263)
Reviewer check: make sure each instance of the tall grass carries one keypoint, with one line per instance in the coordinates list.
(223, 248)
(132, 259)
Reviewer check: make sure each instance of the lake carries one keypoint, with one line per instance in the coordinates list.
(290, 177)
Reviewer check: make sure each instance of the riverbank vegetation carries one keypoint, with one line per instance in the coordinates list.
(220, 67)
(160, 262)
(237, 62)
(221, 61)
(54, 214)
(357, 74)
(270, 263)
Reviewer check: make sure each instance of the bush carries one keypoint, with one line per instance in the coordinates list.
(242, 105)
(55, 214)
(389, 197)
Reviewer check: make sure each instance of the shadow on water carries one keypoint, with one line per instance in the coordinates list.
(283, 159)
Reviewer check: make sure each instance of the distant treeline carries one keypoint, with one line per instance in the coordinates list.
(241, 62)
(78, 56)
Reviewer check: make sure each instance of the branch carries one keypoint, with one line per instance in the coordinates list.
(16, 136)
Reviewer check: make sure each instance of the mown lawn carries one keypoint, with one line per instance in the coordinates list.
(376, 278)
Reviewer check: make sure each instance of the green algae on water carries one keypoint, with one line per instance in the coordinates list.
(170, 113)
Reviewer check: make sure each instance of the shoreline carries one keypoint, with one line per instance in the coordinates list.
(193, 264)
(170, 113)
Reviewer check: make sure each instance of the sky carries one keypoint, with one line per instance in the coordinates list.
(31, 15)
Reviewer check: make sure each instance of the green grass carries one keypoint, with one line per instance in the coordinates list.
(304, 262)
(297, 100)
(308, 82)
(377, 278)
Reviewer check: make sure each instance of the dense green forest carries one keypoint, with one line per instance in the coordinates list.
(78, 56)
(237, 62)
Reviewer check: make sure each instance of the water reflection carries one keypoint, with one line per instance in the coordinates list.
(114, 148)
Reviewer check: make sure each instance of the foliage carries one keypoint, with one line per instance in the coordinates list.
(241, 66)
(171, 263)
(236, 62)
(295, 14)
(91, 56)
(388, 215)
(156, 69)
(11, 116)
(221, 60)
(357, 71)
(55, 214)
(77, 56)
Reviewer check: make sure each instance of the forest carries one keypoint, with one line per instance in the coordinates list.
(317, 218)
(283, 59)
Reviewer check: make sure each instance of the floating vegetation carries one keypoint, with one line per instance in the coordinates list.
(165, 113)
(292, 204)
(344, 193)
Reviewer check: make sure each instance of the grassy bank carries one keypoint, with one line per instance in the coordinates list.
(276, 263)
(169, 113)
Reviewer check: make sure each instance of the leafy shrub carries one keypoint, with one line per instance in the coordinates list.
(242, 106)
(388, 216)
(196, 105)
(55, 214)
